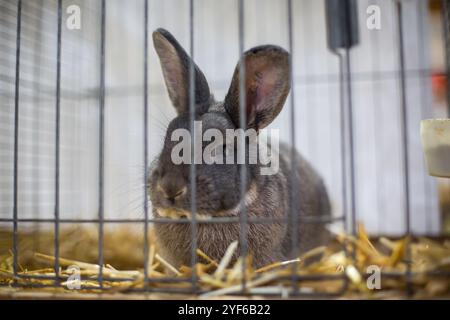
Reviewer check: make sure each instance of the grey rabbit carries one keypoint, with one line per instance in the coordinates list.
(267, 84)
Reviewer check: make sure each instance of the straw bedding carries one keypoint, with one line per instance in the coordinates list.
(123, 256)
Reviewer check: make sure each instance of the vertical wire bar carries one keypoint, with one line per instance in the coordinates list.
(404, 133)
(193, 176)
(146, 249)
(346, 130)
(334, 48)
(294, 194)
(243, 219)
(446, 34)
(308, 113)
(421, 14)
(377, 111)
(343, 138)
(348, 88)
(57, 141)
(446, 27)
(351, 147)
(346, 104)
(16, 143)
(343, 146)
(101, 144)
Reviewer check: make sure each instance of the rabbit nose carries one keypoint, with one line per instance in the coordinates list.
(172, 186)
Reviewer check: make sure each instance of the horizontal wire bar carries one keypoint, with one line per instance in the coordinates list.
(312, 277)
(315, 278)
(307, 80)
(104, 278)
(308, 219)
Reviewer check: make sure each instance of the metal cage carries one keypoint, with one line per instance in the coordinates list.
(342, 36)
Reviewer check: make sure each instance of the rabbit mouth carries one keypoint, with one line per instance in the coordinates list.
(175, 213)
(172, 212)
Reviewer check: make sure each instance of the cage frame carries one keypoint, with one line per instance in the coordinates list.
(347, 154)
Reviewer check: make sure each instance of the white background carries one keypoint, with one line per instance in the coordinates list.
(379, 182)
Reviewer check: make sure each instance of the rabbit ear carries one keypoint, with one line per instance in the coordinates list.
(267, 84)
(175, 64)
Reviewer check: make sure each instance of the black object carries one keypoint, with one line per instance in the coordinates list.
(342, 23)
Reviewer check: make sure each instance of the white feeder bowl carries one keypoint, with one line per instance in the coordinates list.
(435, 135)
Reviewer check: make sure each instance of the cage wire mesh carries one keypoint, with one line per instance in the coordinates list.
(79, 106)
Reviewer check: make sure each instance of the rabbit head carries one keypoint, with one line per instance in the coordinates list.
(266, 84)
